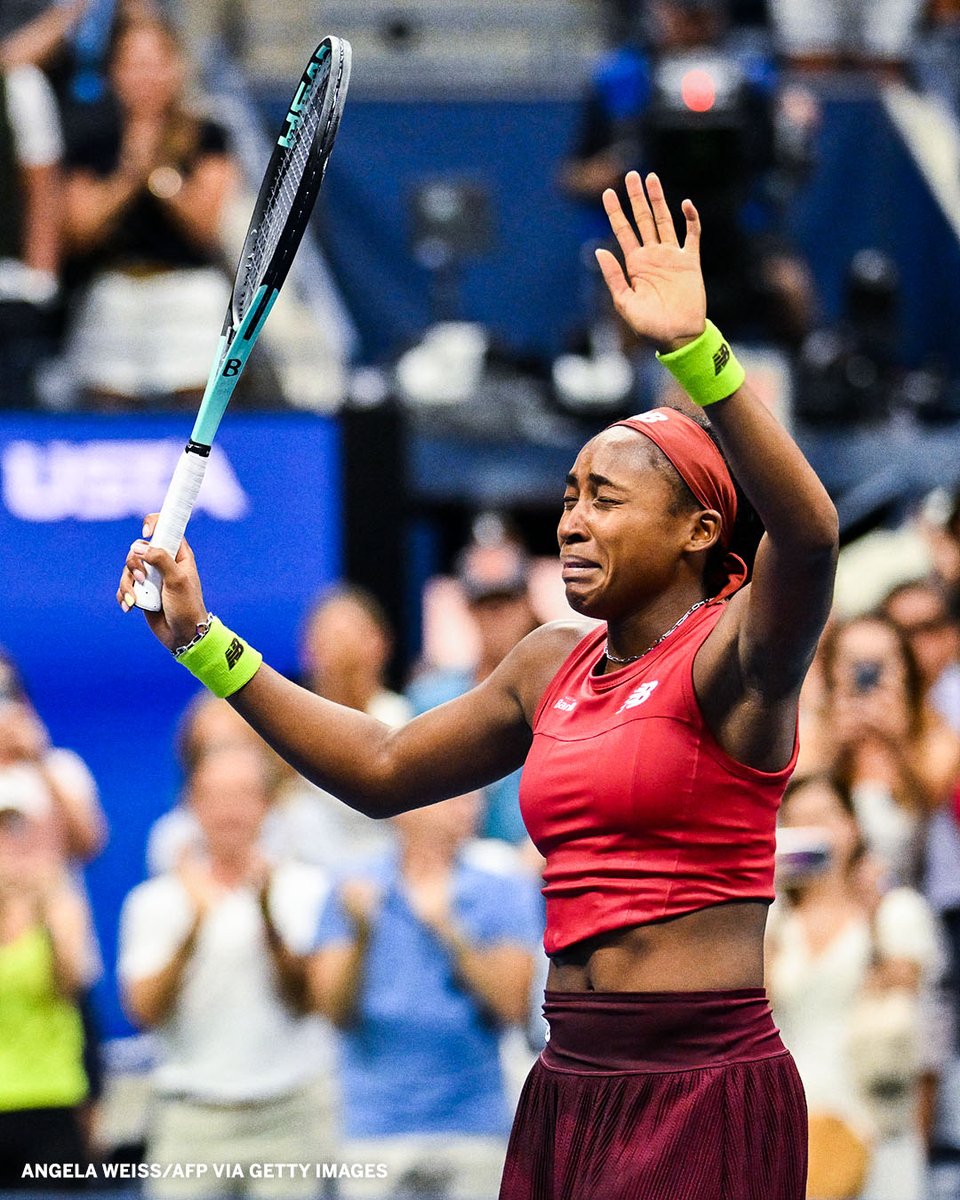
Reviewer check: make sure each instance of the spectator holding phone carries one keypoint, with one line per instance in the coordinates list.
(878, 731)
(73, 810)
(920, 608)
(851, 974)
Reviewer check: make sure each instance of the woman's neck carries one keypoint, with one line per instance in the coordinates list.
(632, 636)
(419, 857)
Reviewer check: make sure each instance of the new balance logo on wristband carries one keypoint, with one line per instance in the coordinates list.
(234, 653)
(721, 358)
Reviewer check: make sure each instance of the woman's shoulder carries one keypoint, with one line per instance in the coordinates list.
(534, 662)
(551, 644)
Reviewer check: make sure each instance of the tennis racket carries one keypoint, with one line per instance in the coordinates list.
(285, 201)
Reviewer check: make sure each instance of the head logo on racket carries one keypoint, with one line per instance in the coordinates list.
(286, 139)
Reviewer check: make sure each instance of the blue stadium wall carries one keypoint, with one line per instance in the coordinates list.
(530, 289)
(267, 536)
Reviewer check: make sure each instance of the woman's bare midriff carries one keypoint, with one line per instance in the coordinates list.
(714, 949)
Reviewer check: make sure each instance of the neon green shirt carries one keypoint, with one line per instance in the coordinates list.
(41, 1033)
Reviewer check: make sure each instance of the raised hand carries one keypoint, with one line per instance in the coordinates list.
(361, 900)
(23, 736)
(431, 898)
(659, 289)
(197, 879)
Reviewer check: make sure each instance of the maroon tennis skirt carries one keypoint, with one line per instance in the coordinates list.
(659, 1096)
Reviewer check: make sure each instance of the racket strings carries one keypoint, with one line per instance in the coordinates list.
(285, 188)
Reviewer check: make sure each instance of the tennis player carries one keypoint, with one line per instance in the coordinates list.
(656, 747)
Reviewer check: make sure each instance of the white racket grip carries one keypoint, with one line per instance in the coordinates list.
(174, 515)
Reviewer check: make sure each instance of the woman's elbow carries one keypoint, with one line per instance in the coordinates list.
(820, 529)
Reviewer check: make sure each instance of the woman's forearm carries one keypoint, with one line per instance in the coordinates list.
(41, 218)
(781, 485)
(338, 980)
(149, 1000)
(500, 978)
(93, 206)
(373, 768)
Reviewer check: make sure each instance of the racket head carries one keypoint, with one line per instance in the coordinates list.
(293, 176)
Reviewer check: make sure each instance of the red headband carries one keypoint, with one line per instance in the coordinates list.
(700, 465)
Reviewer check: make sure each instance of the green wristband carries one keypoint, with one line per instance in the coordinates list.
(705, 368)
(221, 661)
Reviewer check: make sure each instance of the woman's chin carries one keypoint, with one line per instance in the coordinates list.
(583, 603)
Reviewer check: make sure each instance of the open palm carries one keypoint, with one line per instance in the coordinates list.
(659, 289)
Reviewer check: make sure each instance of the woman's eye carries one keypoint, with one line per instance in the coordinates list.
(569, 501)
(607, 500)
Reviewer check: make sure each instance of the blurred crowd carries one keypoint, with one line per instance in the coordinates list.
(115, 186)
(115, 183)
(298, 966)
(318, 986)
(725, 101)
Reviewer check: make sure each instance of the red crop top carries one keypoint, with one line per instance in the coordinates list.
(639, 812)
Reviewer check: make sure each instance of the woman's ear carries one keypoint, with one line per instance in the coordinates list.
(705, 530)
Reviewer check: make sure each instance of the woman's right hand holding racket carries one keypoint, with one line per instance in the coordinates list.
(183, 607)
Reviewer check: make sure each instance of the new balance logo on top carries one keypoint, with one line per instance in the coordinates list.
(639, 695)
(721, 358)
(650, 418)
(565, 704)
(234, 653)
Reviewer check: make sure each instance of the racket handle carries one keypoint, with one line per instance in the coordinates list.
(174, 515)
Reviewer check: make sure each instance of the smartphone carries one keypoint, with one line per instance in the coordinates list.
(866, 675)
(803, 852)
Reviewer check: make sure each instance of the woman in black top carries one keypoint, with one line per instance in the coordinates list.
(145, 194)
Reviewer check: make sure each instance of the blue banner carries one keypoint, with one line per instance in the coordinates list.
(266, 532)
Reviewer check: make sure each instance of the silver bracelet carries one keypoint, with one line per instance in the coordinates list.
(203, 628)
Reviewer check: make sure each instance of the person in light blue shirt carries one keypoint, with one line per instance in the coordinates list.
(425, 954)
(493, 572)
